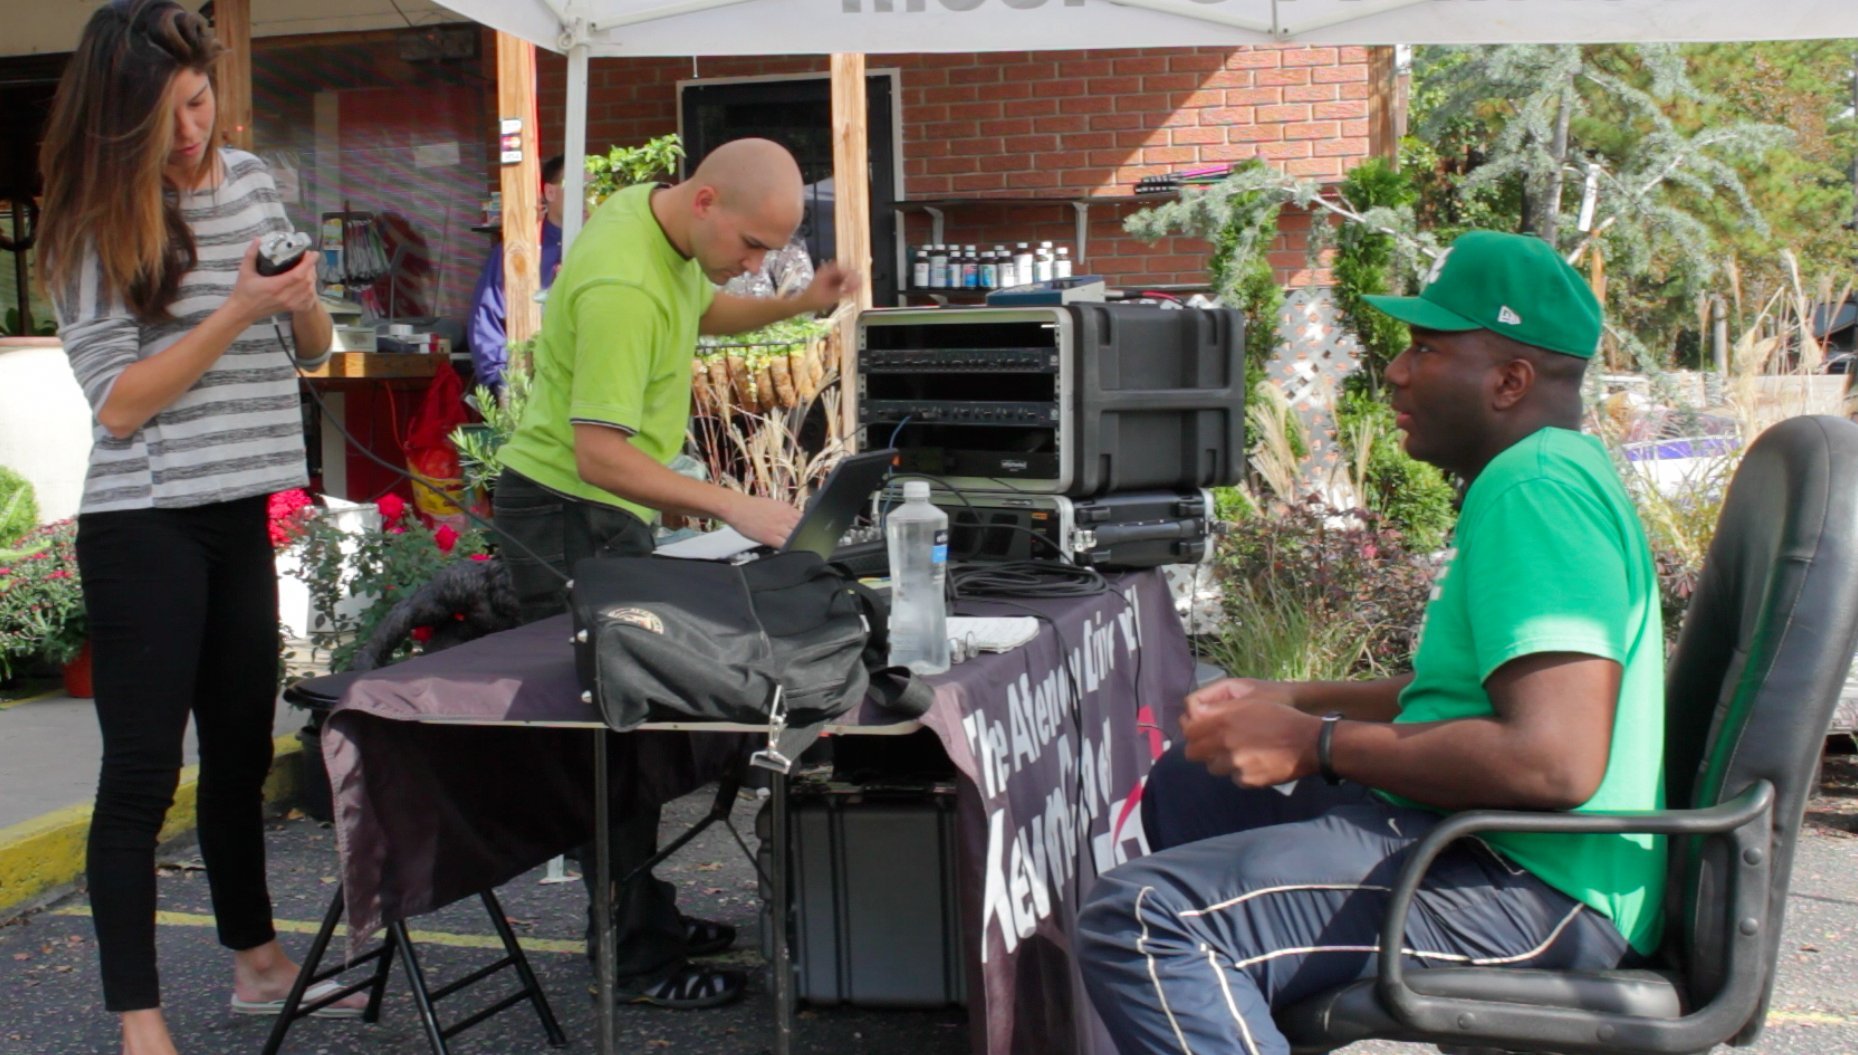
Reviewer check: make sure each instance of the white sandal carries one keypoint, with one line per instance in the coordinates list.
(310, 996)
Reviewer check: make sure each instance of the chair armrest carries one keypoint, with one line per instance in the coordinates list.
(1743, 821)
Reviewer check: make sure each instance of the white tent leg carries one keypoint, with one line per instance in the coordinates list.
(574, 144)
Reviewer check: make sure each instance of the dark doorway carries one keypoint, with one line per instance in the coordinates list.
(797, 113)
(26, 90)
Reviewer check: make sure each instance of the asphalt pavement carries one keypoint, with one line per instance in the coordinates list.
(50, 1004)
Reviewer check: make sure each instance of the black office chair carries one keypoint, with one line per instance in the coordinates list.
(1764, 650)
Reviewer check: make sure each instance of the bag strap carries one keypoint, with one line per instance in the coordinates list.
(896, 689)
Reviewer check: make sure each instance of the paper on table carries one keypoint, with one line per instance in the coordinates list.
(992, 633)
(711, 545)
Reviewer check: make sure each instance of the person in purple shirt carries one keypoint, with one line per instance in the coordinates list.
(490, 349)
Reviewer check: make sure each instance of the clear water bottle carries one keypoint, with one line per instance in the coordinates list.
(917, 535)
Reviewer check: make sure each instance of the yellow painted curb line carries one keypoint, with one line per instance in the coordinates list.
(299, 926)
(47, 852)
(747, 957)
(46, 695)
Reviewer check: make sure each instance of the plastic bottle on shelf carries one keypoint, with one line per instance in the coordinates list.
(1062, 267)
(1044, 265)
(919, 269)
(1022, 264)
(970, 268)
(989, 271)
(1003, 268)
(916, 534)
(938, 267)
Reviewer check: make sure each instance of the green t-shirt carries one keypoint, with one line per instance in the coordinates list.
(618, 334)
(1549, 556)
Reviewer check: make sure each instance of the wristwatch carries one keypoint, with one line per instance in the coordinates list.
(1325, 740)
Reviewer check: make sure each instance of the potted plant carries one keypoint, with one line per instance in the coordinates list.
(356, 571)
(42, 606)
(626, 166)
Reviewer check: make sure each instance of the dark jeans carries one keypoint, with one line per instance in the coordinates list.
(557, 531)
(1254, 899)
(182, 606)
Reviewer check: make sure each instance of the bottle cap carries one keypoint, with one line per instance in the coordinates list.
(915, 489)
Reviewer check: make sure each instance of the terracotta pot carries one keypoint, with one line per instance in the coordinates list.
(77, 675)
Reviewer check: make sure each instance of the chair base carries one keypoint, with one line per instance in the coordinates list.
(398, 941)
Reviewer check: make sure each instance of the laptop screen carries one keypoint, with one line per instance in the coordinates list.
(832, 511)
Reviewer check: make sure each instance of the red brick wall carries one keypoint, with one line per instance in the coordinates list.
(1054, 124)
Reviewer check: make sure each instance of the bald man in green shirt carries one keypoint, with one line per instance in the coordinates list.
(586, 471)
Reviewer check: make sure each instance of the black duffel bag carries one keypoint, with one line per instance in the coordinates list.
(785, 641)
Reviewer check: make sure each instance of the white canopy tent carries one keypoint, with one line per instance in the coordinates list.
(582, 29)
(761, 27)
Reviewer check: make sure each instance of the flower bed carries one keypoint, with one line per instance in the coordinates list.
(41, 600)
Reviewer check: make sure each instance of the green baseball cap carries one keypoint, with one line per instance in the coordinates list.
(1512, 284)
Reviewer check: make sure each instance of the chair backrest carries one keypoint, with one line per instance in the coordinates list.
(1765, 646)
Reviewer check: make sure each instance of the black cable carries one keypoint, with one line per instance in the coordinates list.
(329, 418)
(1026, 578)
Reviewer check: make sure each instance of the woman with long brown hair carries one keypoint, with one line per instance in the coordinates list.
(149, 243)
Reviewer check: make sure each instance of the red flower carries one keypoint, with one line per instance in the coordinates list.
(285, 512)
(422, 634)
(480, 556)
(59, 574)
(392, 508)
(445, 538)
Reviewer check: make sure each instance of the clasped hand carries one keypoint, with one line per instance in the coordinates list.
(259, 297)
(1251, 731)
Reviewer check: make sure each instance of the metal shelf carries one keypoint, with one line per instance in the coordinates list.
(1080, 206)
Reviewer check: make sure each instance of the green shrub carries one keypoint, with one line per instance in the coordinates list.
(19, 507)
(41, 598)
(479, 445)
(1411, 495)
(626, 166)
(1313, 592)
(1364, 260)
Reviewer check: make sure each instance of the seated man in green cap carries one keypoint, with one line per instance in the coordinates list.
(1280, 822)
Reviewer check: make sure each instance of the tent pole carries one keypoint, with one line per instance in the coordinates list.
(851, 186)
(574, 145)
(522, 229)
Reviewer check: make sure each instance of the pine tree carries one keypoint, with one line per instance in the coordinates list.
(1545, 120)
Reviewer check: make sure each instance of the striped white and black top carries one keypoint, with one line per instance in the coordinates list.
(238, 431)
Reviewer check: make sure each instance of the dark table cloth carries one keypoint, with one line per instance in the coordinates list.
(1051, 740)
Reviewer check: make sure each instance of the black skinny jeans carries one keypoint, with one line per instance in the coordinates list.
(555, 532)
(182, 605)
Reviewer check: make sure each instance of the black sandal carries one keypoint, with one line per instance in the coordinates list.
(704, 937)
(692, 987)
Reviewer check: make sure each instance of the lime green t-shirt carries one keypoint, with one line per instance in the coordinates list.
(618, 334)
(1549, 556)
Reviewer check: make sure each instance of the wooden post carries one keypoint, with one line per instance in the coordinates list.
(232, 24)
(851, 185)
(522, 191)
(1383, 104)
